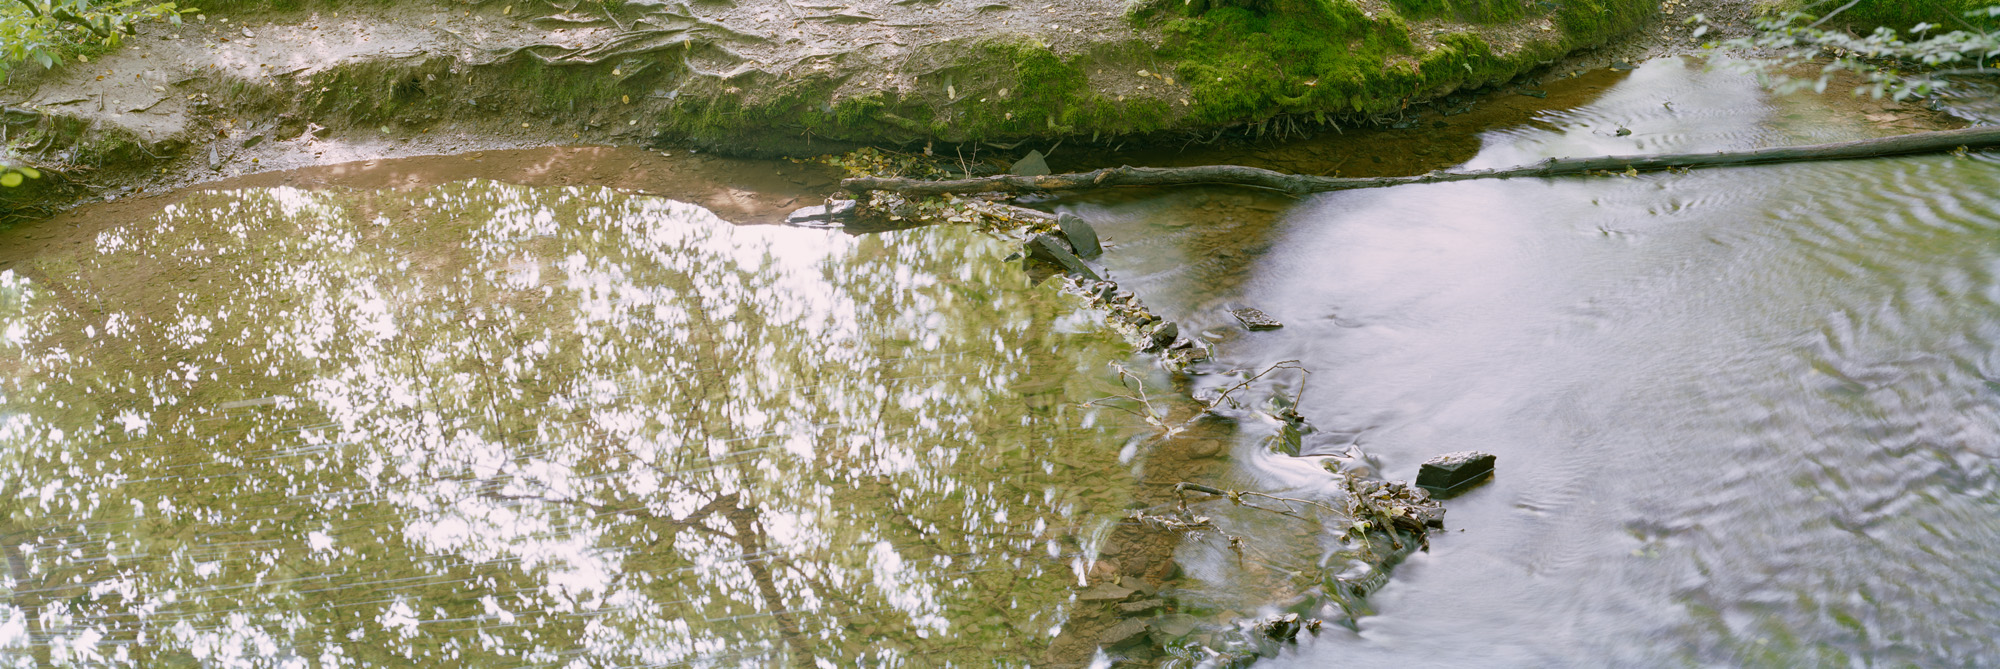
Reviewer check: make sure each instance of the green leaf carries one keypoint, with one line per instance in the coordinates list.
(11, 179)
(31, 172)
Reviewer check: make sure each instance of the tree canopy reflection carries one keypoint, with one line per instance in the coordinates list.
(487, 425)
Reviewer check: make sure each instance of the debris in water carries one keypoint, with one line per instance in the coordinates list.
(1451, 473)
(1623, 131)
(1255, 319)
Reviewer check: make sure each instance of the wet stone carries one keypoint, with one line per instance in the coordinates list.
(1141, 606)
(1105, 592)
(1051, 249)
(1255, 319)
(1165, 335)
(1032, 165)
(1281, 628)
(1125, 634)
(1082, 237)
(1451, 473)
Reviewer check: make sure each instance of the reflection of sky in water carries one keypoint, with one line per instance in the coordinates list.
(492, 425)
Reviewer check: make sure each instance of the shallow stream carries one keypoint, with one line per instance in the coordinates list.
(1744, 416)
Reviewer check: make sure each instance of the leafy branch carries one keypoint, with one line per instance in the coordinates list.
(1897, 65)
(44, 30)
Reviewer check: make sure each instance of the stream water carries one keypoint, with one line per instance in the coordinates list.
(1744, 417)
(493, 425)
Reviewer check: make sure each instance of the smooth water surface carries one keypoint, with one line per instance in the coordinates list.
(1743, 416)
(493, 425)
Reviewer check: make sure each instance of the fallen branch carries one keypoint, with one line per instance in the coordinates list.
(1299, 184)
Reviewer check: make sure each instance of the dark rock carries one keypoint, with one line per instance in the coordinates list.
(1033, 165)
(1053, 250)
(1451, 473)
(1082, 237)
(834, 212)
(1127, 633)
(1165, 334)
(1255, 319)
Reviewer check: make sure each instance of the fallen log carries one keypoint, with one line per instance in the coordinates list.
(1299, 184)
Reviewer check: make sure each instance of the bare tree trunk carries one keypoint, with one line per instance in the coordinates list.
(1923, 142)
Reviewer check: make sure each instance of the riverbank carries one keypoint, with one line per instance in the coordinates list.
(229, 95)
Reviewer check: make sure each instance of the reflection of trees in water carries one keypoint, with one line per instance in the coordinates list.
(503, 425)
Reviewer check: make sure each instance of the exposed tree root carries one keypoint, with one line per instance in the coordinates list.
(1923, 142)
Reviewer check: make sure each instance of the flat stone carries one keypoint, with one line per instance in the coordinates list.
(1141, 606)
(834, 212)
(1255, 319)
(1082, 237)
(1051, 249)
(1179, 624)
(1127, 633)
(1451, 473)
(1105, 592)
(1032, 165)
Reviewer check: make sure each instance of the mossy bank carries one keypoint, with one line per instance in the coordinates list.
(756, 77)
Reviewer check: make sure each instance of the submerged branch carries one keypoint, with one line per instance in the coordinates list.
(1923, 142)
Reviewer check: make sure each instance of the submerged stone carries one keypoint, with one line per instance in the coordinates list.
(1451, 473)
(1082, 237)
(1127, 633)
(1105, 592)
(1141, 606)
(1255, 319)
(1032, 165)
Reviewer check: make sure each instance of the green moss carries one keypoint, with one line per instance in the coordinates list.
(1316, 56)
(1592, 20)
